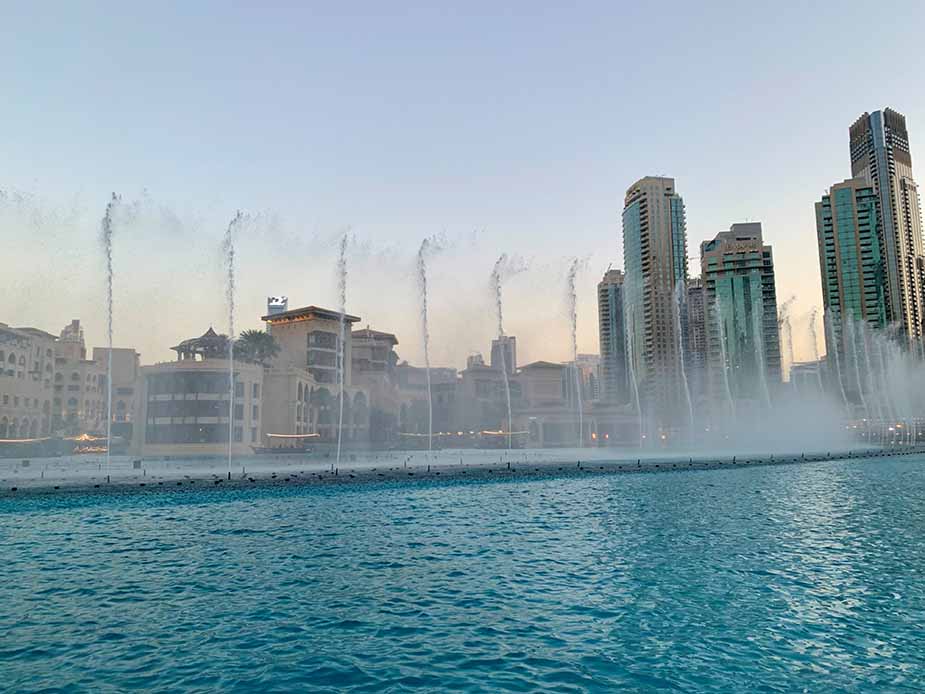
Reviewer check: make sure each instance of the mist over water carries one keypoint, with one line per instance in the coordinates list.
(874, 378)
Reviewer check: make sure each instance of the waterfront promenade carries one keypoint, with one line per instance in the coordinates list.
(124, 474)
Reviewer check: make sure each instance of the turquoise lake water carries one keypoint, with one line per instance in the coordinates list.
(798, 578)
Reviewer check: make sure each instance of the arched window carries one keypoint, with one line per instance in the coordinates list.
(48, 353)
(72, 402)
(22, 360)
(12, 359)
(75, 376)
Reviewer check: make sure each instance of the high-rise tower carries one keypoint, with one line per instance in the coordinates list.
(615, 387)
(853, 282)
(655, 255)
(741, 299)
(880, 155)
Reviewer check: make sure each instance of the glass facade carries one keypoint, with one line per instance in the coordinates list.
(852, 269)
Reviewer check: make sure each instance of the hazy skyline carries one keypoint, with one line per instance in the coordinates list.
(513, 130)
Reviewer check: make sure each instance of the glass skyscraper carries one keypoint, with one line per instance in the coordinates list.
(655, 257)
(852, 271)
(743, 342)
(880, 155)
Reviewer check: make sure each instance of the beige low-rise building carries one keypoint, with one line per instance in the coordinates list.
(125, 375)
(80, 385)
(303, 379)
(27, 376)
(183, 406)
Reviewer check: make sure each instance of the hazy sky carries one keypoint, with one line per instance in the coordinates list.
(507, 130)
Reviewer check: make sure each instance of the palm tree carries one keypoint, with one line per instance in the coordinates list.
(256, 346)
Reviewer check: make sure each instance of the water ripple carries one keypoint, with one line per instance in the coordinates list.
(766, 579)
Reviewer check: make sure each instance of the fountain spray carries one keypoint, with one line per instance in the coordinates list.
(720, 328)
(834, 349)
(680, 293)
(785, 330)
(572, 301)
(228, 257)
(814, 343)
(496, 287)
(106, 238)
(757, 325)
(425, 333)
(630, 362)
(342, 294)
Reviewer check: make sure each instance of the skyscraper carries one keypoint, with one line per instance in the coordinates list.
(851, 268)
(655, 254)
(880, 155)
(852, 272)
(614, 384)
(741, 300)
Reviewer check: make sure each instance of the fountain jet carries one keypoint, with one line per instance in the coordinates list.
(228, 259)
(342, 297)
(106, 239)
(572, 302)
(496, 288)
(425, 334)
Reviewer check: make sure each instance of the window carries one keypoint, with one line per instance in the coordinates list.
(238, 434)
(239, 389)
(238, 412)
(255, 392)
(255, 412)
(253, 433)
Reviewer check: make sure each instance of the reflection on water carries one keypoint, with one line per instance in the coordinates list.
(782, 578)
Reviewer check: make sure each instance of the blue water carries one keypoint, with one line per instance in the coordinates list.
(800, 578)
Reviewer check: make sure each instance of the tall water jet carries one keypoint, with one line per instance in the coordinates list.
(630, 359)
(814, 345)
(853, 336)
(228, 258)
(571, 298)
(342, 296)
(106, 239)
(785, 330)
(425, 335)
(721, 332)
(502, 346)
(680, 295)
(760, 365)
(868, 367)
(830, 322)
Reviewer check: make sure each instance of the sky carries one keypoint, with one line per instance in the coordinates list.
(511, 129)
